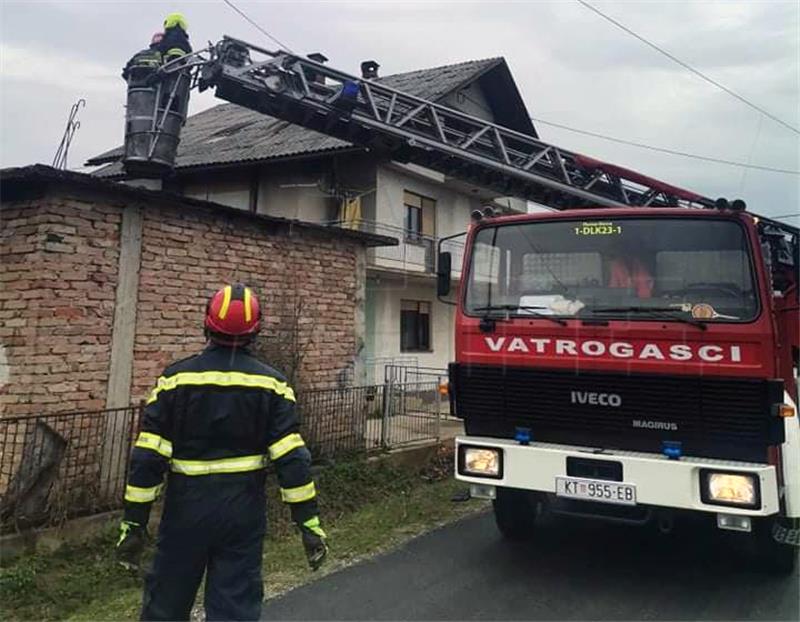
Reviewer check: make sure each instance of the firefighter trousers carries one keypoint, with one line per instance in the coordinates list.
(212, 526)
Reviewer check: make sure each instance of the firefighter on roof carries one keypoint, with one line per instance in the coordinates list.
(211, 425)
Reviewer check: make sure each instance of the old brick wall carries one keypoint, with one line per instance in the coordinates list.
(187, 255)
(58, 271)
(59, 258)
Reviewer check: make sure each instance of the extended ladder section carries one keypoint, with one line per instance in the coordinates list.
(410, 129)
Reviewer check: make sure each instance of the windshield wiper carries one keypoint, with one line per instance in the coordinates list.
(663, 312)
(534, 311)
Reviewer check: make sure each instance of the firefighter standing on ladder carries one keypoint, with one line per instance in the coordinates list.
(213, 421)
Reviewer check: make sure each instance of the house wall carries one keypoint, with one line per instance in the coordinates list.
(470, 100)
(228, 188)
(453, 210)
(296, 190)
(59, 262)
(386, 293)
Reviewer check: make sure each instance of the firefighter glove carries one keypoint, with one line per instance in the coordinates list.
(314, 542)
(130, 545)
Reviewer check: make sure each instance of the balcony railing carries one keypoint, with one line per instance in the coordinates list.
(414, 253)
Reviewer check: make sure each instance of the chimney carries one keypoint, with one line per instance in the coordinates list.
(369, 69)
(317, 58)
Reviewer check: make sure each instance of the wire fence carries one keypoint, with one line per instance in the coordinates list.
(59, 466)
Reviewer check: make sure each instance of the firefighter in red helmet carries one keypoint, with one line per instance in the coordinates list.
(211, 425)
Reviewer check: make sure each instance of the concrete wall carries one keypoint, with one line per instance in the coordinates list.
(385, 293)
(296, 190)
(453, 210)
(228, 188)
(302, 189)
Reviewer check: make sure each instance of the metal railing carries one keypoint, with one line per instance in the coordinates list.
(375, 367)
(415, 252)
(59, 466)
(413, 374)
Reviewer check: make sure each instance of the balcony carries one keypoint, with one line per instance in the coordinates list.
(415, 253)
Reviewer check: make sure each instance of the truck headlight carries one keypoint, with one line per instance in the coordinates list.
(480, 461)
(730, 488)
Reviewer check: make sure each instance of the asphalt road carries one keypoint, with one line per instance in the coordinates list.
(572, 570)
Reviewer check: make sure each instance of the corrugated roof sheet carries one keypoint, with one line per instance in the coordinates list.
(228, 133)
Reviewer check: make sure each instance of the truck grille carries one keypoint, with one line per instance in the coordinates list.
(720, 418)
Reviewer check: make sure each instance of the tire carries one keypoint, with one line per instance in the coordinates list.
(775, 557)
(515, 513)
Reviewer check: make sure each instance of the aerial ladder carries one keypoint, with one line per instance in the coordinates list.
(386, 121)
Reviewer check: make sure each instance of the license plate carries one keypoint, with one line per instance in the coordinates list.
(596, 490)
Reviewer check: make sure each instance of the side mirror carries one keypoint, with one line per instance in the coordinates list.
(443, 269)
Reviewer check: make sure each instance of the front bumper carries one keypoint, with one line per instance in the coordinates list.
(659, 481)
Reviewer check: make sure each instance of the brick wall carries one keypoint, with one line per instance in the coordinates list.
(59, 258)
(58, 271)
(186, 256)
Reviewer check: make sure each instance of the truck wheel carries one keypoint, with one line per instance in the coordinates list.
(777, 545)
(515, 512)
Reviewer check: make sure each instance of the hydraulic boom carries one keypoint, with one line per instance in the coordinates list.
(410, 129)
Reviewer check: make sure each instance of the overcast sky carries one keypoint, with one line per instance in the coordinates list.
(572, 68)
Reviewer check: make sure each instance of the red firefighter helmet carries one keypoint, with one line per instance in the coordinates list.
(233, 314)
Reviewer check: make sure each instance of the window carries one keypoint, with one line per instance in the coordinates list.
(415, 326)
(419, 216)
(642, 267)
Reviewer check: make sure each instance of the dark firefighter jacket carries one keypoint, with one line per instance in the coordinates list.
(220, 415)
(148, 60)
(174, 44)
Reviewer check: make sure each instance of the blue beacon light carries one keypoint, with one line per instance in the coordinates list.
(672, 449)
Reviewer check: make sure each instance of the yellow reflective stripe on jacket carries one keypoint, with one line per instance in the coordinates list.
(222, 379)
(299, 494)
(241, 464)
(142, 495)
(148, 440)
(177, 52)
(285, 445)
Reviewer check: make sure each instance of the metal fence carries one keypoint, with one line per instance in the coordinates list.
(393, 414)
(58, 466)
(61, 465)
(413, 374)
(412, 413)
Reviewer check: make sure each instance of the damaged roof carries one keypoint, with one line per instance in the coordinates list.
(229, 134)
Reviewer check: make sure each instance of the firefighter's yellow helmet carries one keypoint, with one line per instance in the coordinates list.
(175, 19)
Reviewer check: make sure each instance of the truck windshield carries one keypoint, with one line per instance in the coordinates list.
(667, 269)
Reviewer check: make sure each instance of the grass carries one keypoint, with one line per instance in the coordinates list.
(367, 508)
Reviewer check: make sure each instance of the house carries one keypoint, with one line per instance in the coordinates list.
(244, 159)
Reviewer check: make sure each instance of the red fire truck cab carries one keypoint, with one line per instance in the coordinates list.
(631, 364)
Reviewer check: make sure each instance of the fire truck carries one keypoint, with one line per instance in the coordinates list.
(629, 355)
